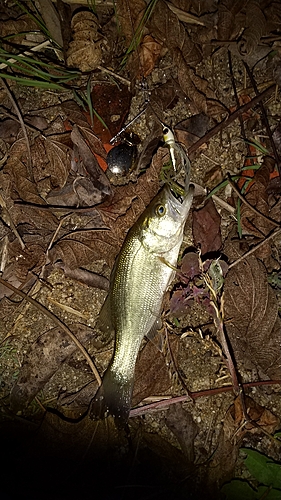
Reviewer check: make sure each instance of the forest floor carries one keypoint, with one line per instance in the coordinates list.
(208, 386)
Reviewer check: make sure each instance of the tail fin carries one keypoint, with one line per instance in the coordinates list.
(112, 398)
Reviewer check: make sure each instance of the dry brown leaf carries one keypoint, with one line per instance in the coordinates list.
(52, 21)
(227, 11)
(90, 163)
(151, 375)
(257, 196)
(17, 170)
(18, 27)
(197, 89)
(225, 457)
(112, 102)
(255, 27)
(181, 423)
(149, 53)
(165, 26)
(44, 358)
(206, 228)
(129, 14)
(59, 158)
(251, 318)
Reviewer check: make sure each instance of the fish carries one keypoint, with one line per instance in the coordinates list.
(141, 275)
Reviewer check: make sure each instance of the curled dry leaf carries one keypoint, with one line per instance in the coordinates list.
(206, 228)
(44, 358)
(251, 318)
(97, 176)
(84, 50)
(255, 28)
(227, 11)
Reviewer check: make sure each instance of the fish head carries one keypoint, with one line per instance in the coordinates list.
(163, 221)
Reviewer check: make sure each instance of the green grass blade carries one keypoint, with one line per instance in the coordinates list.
(33, 83)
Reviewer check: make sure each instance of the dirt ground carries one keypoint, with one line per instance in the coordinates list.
(188, 446)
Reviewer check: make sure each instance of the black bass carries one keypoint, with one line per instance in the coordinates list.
(141, 275)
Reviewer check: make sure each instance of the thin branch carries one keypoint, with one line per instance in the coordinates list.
(165, 403)
(225, 123)
(254, 249)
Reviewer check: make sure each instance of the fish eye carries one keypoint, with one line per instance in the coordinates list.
(160, 210)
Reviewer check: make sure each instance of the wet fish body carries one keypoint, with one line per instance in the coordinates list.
(141, 275)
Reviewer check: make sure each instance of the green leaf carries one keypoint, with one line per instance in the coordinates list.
(264, 469)
(267, 493)
(238, 489)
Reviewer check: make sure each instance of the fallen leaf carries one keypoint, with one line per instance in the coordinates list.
(165, 26)
(59, 158)
(190, 130)
(255, 27)
(9, 130)
(182, 425)
(257, 196)
(129, 14)
(22, 185)
(52, 21)
(223, 462)
(90, 163)
(251, 318)
(206, 228)
(149, 53)
(112, 103)
(151, 374)
(44, 358)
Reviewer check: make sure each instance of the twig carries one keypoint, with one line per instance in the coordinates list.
(115, 75)
(254, 249)
(58, 322)
(243, 133)
(42, 45)
(225, 123)
(18, 112)
(242, 198)
(164, 404)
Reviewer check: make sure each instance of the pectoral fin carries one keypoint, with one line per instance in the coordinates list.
(104, 322)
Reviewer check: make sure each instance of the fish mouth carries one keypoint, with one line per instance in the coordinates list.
(178, 196)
